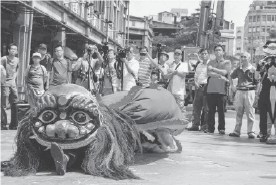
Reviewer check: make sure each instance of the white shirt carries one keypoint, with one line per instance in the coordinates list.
(128, 79)
(201, 73)
(177, 83)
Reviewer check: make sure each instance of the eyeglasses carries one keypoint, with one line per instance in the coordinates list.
(177, 54)
(243, 57)
(142, 54)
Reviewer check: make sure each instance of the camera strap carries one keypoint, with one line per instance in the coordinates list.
(167, 84)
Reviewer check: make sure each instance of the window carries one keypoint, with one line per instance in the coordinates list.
(253, 29)
(264, 18)
(238, 37)
(132, 23)
(263, 28)
(267, 28)
(269, 18)
(238, 48)
(258, 18)
(239, 31)
(250, 18)
(254, 18)
(258, 29)
(272, 18)
(249, 30)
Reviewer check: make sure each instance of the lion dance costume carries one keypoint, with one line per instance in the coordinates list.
(70, 128)
(267, 90)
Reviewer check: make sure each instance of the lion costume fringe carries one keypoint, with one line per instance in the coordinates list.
(108, 155)
(106, 139)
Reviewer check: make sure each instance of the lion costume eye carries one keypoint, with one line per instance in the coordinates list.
(80, 117)
(47, 116)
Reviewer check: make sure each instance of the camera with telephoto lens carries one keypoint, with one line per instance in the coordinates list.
(105, 48)
(122, 53)
(159, 47)
(89, 51)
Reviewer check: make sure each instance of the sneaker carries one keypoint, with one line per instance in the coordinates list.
(233, 135)
(208, 131)
(260, 135)
(222, 132)
(193, 128)
(251, 135)
(263, 139)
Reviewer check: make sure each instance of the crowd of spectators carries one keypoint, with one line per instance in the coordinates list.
(214, 80)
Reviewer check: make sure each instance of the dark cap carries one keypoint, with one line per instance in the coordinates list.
(178, 51)
(42, 46)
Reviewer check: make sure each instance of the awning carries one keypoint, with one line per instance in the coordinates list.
(44, 20)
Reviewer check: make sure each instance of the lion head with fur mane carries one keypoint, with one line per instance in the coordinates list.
(70, 116)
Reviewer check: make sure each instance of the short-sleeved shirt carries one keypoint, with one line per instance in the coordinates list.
(36, 76)
(201, 73)
(266, 83)
(177, 83)
(217, 85)
(60, 69)
(246, 78)
(44, 62)
(11, 67)
(128, 79)
(144, 73)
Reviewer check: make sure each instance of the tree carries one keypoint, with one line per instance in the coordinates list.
(187, 35)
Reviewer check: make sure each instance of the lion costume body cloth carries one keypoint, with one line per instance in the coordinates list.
(104, 134)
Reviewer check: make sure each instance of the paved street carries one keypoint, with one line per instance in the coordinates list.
(205, 159)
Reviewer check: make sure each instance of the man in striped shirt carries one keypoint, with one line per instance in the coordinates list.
(146, 67)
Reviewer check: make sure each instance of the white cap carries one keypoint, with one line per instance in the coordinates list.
(36, 55)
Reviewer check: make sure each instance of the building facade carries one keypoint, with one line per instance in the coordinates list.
(166, 17)
(228, 37)
(260, 18)
(69, 23)
(239, 40)
(140, 32)
(180, 13)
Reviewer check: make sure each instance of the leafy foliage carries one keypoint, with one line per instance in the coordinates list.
(187, 35)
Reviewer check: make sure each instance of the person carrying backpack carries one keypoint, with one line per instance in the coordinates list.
(35, 78)
(60, 69)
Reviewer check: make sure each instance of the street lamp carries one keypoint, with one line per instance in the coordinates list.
(254, 43)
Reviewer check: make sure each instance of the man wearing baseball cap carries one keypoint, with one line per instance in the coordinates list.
(162, 66)
(176, 74)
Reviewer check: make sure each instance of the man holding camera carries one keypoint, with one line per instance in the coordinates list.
(92, 57)
(110, 81)
(176, 74)
(130, 71)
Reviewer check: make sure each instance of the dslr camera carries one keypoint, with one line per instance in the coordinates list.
(122, 53)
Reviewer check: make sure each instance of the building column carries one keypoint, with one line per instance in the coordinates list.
(60, 37)
(20, 36)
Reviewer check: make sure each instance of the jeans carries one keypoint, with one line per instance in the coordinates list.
(263, 106)
(216, 101)
(200, 105)
(8, 93)
(244, 103)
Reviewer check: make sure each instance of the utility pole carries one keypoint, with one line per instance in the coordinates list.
(203, 23)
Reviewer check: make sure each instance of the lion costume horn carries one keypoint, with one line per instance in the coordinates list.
(109, 155)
